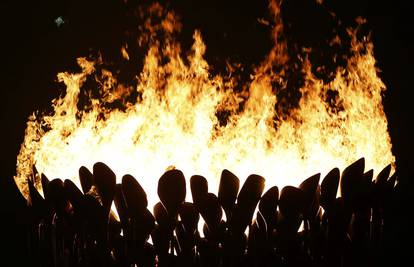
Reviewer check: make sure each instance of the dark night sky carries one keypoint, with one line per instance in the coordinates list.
(35, 50)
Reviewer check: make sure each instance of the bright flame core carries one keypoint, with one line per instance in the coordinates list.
(174, 121)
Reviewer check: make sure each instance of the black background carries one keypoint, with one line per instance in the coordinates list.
(35, 50)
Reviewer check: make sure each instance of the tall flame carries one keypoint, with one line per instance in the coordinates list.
(174, 120)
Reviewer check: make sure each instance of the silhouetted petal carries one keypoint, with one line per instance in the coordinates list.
(199, 188)
(311, 194)
(56, 194)
(189, 216)
(211, 211)
(135, 196)
(75, 196)
(120, 204)
(105, 181)
(329, 188)
(228, 190)
(171, 190)
(268, 205)
(45, 181)
(291, 201)
(351, 181)
(86, 179)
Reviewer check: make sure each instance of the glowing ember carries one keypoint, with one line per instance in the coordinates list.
(174, 120)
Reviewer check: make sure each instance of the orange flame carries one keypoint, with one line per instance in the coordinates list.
(173, 122)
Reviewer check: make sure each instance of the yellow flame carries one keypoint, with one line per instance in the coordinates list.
(174, 120)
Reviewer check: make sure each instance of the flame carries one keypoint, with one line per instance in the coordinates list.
(174, 120)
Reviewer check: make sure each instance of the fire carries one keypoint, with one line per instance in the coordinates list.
(174, 119)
